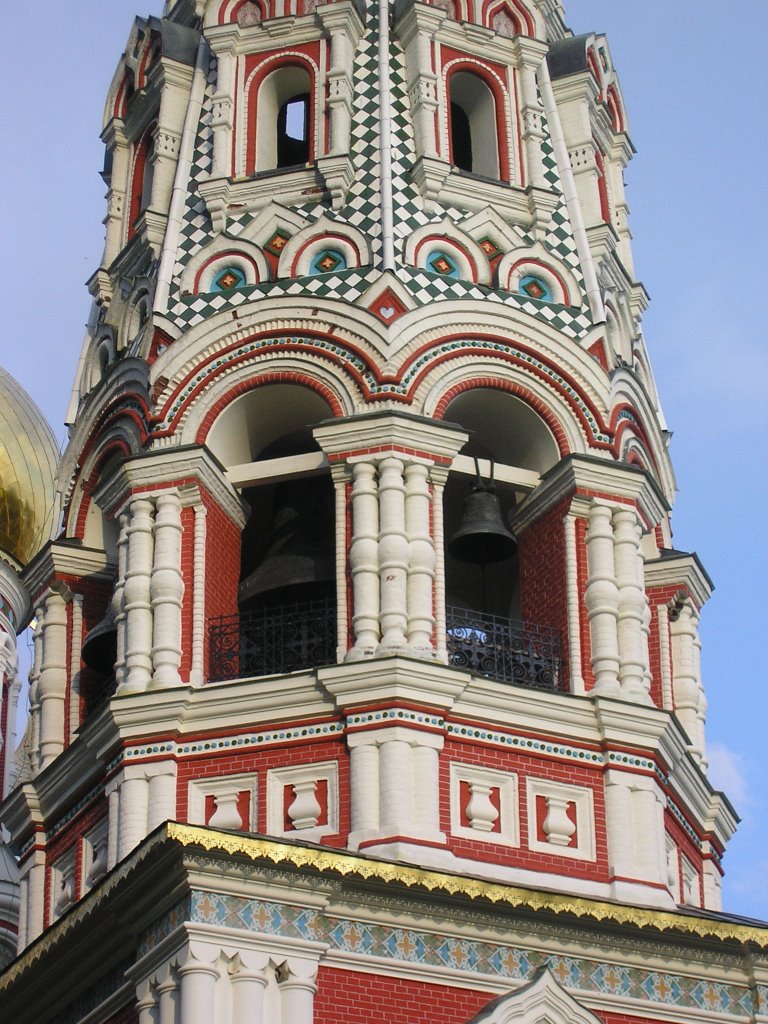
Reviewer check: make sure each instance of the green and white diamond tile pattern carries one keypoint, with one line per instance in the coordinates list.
(362, 209)
(427, 287)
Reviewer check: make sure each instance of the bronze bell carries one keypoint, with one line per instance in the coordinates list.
(299, 558)
(482, 537)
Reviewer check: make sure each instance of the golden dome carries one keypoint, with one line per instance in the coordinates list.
(28, 459)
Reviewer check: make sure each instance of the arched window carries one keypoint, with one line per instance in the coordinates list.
(474, 136)
(283, 136)
(141, 179)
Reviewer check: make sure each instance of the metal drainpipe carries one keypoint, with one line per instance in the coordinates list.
(181, 182)
(385, 142)
(594, 296)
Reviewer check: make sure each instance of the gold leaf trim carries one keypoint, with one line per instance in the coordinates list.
(347, 864)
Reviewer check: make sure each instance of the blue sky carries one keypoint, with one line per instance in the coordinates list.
(695, 83)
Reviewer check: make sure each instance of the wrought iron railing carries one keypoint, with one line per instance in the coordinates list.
(300, 636)
(273, 640)
(512, 652)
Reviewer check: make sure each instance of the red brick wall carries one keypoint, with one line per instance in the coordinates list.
(222, 567)
(352, 997)
(82, 822)
(543, 590)
(258, 762)
(526, 765)
(128, 1015)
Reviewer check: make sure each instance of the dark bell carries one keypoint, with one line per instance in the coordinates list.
(100, 645)
(482, 537)
(298, 558)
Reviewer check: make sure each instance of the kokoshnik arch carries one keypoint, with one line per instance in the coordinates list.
(366, 680)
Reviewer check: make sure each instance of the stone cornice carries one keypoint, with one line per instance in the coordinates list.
(170, 466)
(680, 569)
(574, 473)
(391, 680)
(159, 872)
(67, 558)
(391, 430)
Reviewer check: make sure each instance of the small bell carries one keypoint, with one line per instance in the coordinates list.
(482, 537)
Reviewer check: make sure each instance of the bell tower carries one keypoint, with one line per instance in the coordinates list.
(367, 674)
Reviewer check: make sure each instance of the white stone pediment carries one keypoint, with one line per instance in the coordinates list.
(543, 1001)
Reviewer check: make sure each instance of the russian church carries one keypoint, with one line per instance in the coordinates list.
(366, 682)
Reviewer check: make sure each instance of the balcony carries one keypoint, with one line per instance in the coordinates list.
(275, 641)
(511, 652)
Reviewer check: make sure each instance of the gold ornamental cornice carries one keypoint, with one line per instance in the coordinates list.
(336, 862)
(173, 837)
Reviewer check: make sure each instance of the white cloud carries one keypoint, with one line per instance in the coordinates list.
(726, 772)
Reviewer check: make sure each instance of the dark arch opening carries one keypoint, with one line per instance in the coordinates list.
(293, 131)
(461, 138)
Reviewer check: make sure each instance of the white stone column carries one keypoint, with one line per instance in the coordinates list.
(53, 679)
(34, 872)
(112, 791)
(530, 54)
(396, 787)
(573, 605)
(118, 600)
(34, 684)
(116, 195)
(166, 592)
(364, 785)
(248, 981)
(161, 799)
(340, 474)
(665, 656)
(602, 601)
(650, 845)
(136, 596)
(421, 551)
(701, 708)
(297, 992)
(21, 937)
(685, 683)
(198, 990)
(439, 475)
(222, 115)
(340, 91)
(416, 30)
(75, 652)
(619, 826)
(146, 1004)
(633, 662)
(134, 800)
(196, 676)
(167, 998)
(364, 561)
(426, 790)
(393, 556)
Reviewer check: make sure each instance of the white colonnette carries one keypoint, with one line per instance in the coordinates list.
(392, 557)
(688, 694)
(230, 981)
(617, 605)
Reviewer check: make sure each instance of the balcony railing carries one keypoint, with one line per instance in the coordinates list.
(273, 640)
(301, 636)
(512, 652)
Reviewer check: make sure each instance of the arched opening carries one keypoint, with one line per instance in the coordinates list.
(474, 143)
(287, 582)
(283, 119)
(486, 608)
(141, 180)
